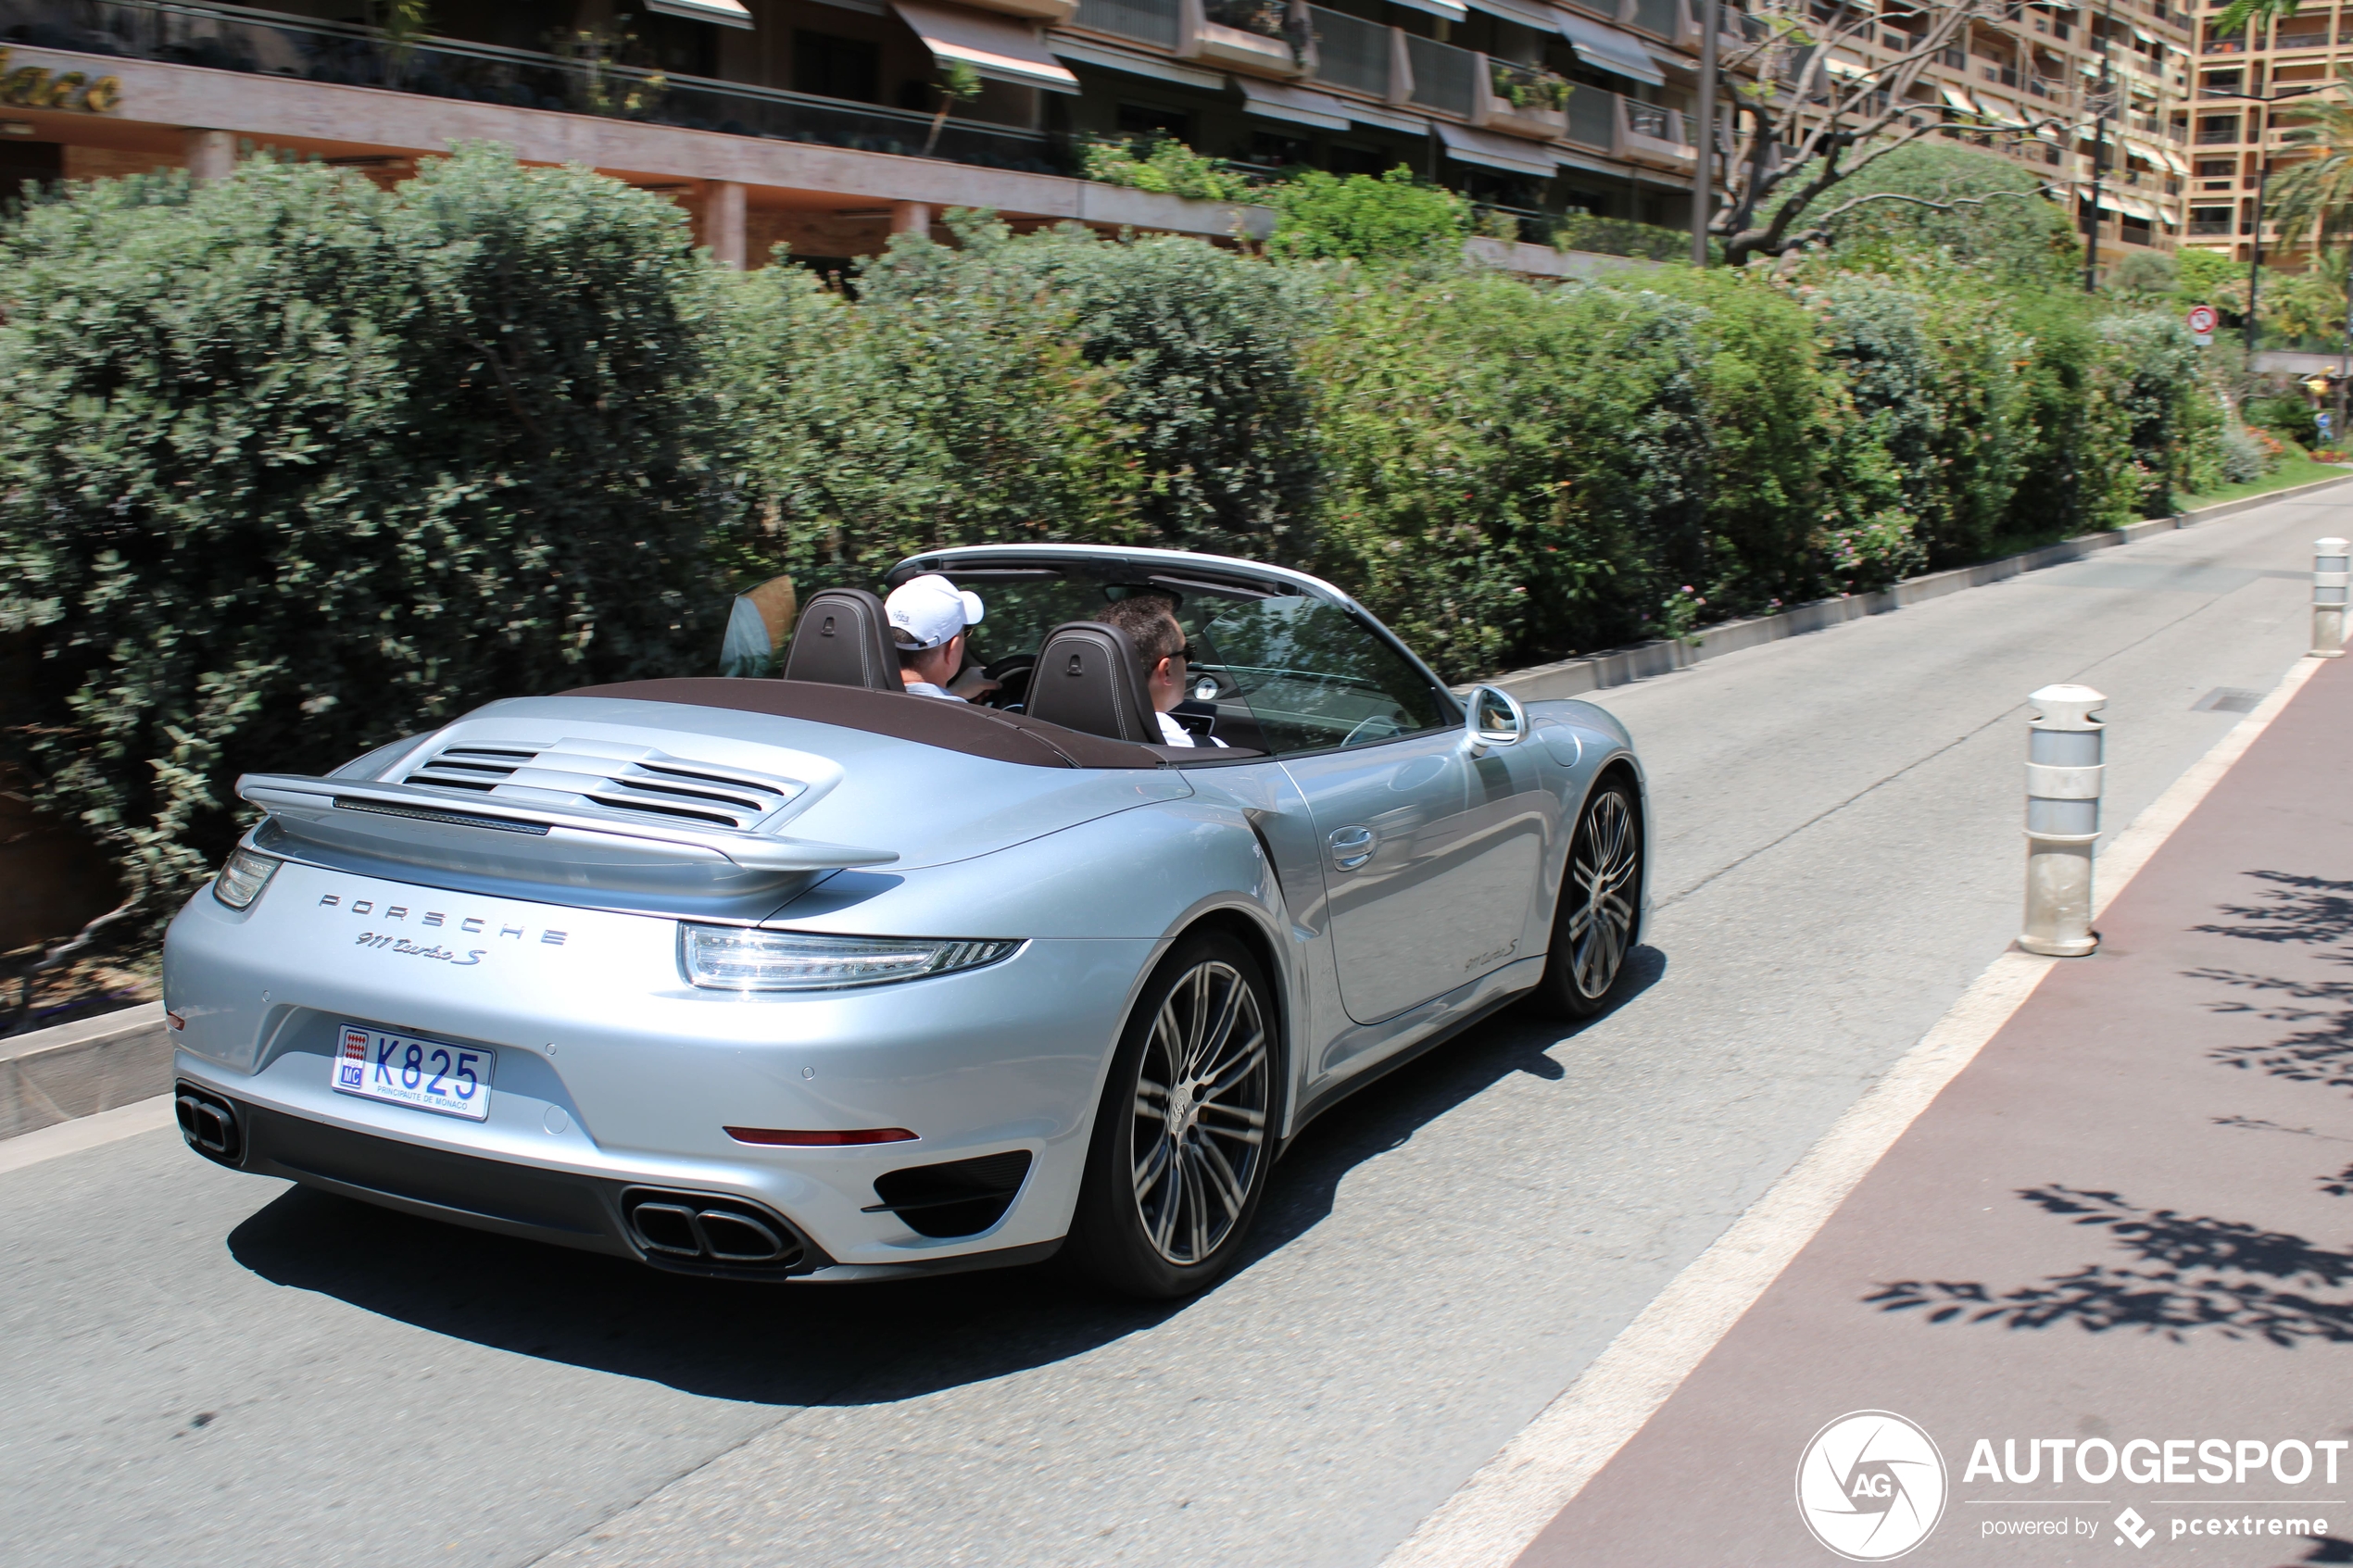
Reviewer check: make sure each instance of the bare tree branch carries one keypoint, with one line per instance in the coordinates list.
(1803, 128)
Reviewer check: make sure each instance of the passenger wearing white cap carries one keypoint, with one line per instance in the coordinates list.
(929, 615)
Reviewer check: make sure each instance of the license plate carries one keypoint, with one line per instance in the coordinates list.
(429, 1074)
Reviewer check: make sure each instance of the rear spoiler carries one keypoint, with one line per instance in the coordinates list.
(349, 814)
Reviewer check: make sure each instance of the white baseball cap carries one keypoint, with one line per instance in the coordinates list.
(925, 611)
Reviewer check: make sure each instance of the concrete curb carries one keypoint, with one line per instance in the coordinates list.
(74, 1070)
(1589, 673)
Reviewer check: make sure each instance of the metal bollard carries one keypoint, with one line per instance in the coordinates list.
(2064, 767)
(2328, 597)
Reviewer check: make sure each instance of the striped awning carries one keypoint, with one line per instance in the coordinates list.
(1605, 48)
(726, 13)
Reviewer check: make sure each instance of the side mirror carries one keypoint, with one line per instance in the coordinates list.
(1492, 718)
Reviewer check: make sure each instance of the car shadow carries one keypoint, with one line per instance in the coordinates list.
(845, 1345)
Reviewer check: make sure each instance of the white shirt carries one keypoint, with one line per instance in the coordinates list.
(924, 688)
(1174, 733)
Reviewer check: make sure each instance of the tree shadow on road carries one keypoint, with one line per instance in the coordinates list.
(2201, 1273)
(2189, 1273)
(845, 1345)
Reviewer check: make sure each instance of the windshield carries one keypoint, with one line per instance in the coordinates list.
(1279, 672)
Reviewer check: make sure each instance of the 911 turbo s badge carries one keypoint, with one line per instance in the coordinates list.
(472, 925)
(419, 950)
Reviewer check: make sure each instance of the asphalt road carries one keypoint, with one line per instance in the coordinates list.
(201, 1366)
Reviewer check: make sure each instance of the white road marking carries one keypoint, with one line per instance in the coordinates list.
(1493, 1517)
(84, 1132)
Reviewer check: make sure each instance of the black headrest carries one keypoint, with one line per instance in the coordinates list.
(1089, 678)
(843, 639)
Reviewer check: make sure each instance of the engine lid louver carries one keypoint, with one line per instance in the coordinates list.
(629, 782)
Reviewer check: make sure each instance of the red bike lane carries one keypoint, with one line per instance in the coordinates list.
(2112, 1262)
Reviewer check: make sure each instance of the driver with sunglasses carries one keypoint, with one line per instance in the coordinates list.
(1150, 620)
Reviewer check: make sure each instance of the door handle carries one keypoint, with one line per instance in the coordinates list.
(1351, 846)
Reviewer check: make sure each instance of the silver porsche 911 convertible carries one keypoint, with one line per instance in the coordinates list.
(815, 978)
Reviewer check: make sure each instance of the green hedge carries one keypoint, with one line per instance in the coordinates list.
(290, 465)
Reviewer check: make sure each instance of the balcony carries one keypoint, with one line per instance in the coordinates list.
(1244, 35)
(2318, 40)
(1652, 135)
(1523, 102)
(268, 44)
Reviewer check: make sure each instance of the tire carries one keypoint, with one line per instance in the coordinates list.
(1185, 1136)
(1598, 916)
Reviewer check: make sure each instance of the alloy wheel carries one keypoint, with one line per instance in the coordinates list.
(1604, 864)
(1203, 1088)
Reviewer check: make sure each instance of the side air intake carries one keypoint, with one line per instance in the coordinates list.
(961, 1197)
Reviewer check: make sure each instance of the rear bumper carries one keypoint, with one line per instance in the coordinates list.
(714, 1234)
(613, 1074)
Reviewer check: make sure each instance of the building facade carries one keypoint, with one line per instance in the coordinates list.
(2248, 82)
(822, 124)
(2038, 63)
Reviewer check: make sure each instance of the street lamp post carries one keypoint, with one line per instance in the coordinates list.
(1704, 159)
(2255, 251)
(2099, 144)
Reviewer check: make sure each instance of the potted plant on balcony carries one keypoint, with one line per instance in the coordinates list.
(1525, 101)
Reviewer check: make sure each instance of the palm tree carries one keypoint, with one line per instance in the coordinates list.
(2316, 191)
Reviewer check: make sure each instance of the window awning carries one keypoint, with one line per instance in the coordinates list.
(1451, 11)
(1272, 100)
(1606, 49)
(1088, 52)
(999, 48)
(1528, 13)
(1490, 151)
(1958, 98)
(1844, 67)
(726, 13)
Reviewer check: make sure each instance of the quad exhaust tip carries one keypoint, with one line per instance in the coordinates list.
(210, 1123)
(688, 1228)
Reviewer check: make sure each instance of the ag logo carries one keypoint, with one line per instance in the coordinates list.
(1870, 1485)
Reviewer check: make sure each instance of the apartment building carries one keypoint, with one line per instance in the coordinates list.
(2247, 85)
(2046, 64)
(819, 123)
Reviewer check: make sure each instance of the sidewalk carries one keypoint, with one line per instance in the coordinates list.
(2130, 1217)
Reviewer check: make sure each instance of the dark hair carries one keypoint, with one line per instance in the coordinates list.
(1150, 620)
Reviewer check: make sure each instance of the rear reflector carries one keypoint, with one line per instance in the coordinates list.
(819, 1140)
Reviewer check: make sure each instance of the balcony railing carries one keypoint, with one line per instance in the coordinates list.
(1351, 52)
(1443, 75)
(268, 44)
(1146, 21)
